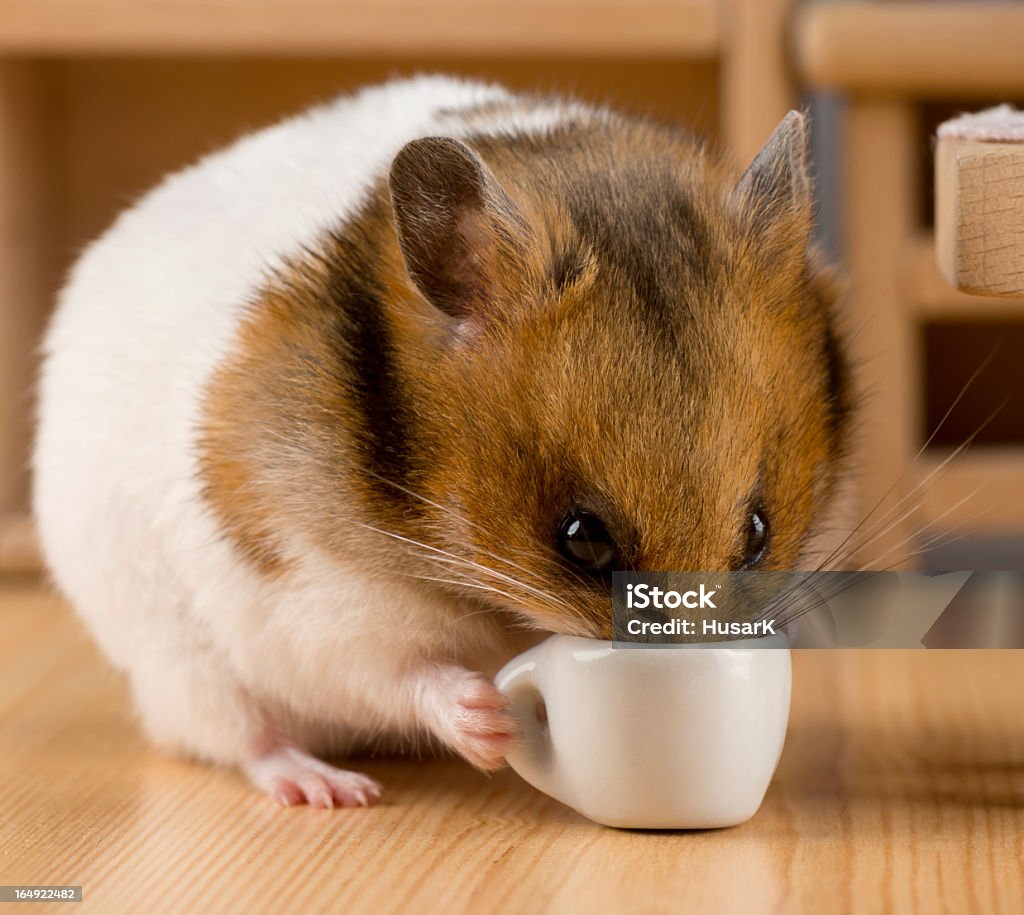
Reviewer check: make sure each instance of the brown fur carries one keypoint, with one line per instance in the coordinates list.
(636, 337)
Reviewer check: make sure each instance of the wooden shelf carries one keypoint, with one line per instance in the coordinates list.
(906, 47)
(614, 27)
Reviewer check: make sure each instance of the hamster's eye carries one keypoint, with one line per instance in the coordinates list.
(757, 537)
(584, 540)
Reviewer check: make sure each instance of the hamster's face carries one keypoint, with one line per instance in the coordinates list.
(658, 387)
(595, 442)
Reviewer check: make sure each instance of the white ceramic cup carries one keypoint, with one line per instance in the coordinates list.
(680, 737)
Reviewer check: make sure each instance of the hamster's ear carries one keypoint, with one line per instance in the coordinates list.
(776, 192)
(455, 222)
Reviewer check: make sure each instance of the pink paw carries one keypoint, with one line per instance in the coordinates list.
(292, 777)
(477, 723)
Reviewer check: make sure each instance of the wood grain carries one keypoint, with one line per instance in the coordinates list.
(360, 27)
(901, 789)
(928, 294)
(979, 215)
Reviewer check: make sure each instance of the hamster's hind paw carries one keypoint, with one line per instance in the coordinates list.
(291, 777)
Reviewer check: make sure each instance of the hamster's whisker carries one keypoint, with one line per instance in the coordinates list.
(823, 600)
(461, 584)
(436, 555)
(451, 558)
(939, 426)
(463, 520)
(949, 536)
(769, 609)
(956, 400)
(477, 585)
(884, 524)
(461, 560)
(931, 523)
(942, 538)
(554, 563)
(932, 526)
(878, 534)
(847, 581)
(936, 471)
(805, 582)
(537, 592)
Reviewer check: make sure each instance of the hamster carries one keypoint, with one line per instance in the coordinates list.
(337, 420)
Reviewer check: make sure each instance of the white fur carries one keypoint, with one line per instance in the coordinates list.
(152, 308)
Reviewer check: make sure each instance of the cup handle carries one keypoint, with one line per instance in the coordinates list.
(533, 759)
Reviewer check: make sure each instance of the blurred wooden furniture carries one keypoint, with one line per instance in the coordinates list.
(887, 59)
(357, 26)
(979, 202)
(901, 789)
(910, 48)
(19, 551)
(99, 98)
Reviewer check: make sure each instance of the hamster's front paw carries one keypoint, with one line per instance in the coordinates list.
(484, 730)
(468, 713)
(292, 777)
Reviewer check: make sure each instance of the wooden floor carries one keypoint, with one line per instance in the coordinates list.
(901, 789)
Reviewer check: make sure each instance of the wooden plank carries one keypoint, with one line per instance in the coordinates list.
(928, 293)
(980, 492)
(127, 122)
(879, 208)
(26, 212)
(910, 47)
(19, 547)
(613, 27)
(757, 87)
(900, 789)
(979, 217)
